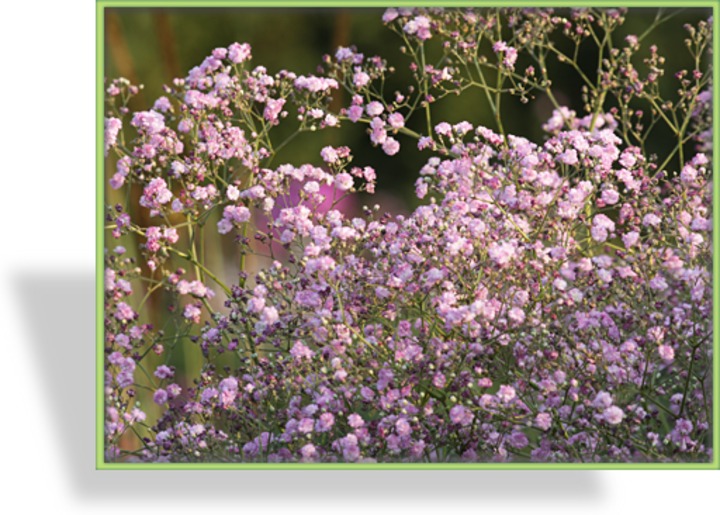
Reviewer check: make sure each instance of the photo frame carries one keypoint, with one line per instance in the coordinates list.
(418, 340)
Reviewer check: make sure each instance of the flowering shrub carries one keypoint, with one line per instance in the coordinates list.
(547, 301)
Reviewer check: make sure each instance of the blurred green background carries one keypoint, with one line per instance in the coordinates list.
(153, 46)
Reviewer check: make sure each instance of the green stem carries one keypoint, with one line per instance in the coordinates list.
(193, 250)
(207, 272)
(687, 381)
(426, 95)
(401, 130)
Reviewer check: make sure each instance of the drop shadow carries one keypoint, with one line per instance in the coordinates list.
(59, 313)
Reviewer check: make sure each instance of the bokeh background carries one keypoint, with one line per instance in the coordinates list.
(153, 46)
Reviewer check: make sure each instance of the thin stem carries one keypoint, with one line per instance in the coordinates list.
(200, 266)
(426, 94)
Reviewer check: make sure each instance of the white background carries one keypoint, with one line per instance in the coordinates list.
(47, 195)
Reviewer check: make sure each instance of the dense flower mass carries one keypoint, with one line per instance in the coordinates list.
(548, 301)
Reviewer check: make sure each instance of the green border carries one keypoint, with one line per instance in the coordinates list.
(100, 464)
(404, 3)
(99, 236)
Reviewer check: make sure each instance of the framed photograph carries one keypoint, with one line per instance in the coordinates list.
(354, 235)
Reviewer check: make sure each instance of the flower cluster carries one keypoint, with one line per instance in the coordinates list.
(547, 301)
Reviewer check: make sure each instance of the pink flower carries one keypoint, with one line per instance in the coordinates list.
(506, 393)
(269, 315)
(658, 283)
(403, 427)
(233, 215)
(517, 315)
(329, 155)
(518, 440)
(560, 284)
(396, 121)
(311, 187)
(112, 128)
(149, 122)
(306, 425)
(462, 128)
(601, 225)
(374, 108)
(420, 26)
(610, 197)
(160, 396)
(569, 157)
(315, 84)
(238, 53)
(499, 46)
(325, 423)
(124, 312)
(651, 220)
(228, 390)
(459, 414)
(308, 452)
(117, 181)
(443, 129)
(688, 174)
(155, 194)
(344, 181)
(164, 372)
(602, 400)
(344, 54)
(185, 125)
(233, 193)
(135, 415)
(123, 341)
(390, 146)
(192, 312)
(301, 351)
(630, 239)
(174, 390)
(613, 415)
(366, 393)
(511, 55)
(162, 104)
(224, 226)
(543, 421)
(425, 142)
(502, 253)
(667, 353)
(360, 79)
(273, 109)
(378, 134)
(355, 421)
(389, 15)
(355, 113)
